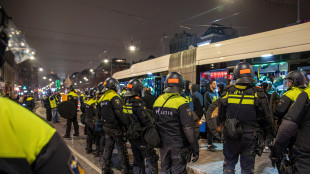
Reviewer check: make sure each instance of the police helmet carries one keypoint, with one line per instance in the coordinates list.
(297, 77)
(110, 83)
(134, 87)
(92, 93)
(4, 20)
(243, 73)
(174, 83)
(86, 93)
(100, 87)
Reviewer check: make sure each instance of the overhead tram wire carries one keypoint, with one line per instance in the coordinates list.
(67, 33)
(202, 13)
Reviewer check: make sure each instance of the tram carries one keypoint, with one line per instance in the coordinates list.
(272, 55)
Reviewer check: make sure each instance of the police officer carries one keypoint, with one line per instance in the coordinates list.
(30, 103)
(73, 97)
(245, 110)
(295, 82)
(135, 109)
(26, 148)
(113, 123)
(83, 100)
(296, 123)
(91, 117)
(175, 123)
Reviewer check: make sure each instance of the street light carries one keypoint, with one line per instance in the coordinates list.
(106, 61)
(44, 77)
(49, 79)
(91, 70)
(132, 48)
(40, 69)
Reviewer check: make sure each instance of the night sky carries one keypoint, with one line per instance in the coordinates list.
(69, 35)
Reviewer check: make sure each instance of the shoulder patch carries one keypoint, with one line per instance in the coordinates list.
(281, 102)
(117, 101)
(189, 112)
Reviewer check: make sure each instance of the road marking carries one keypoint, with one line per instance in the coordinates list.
(85, 160)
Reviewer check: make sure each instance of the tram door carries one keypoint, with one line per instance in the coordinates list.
(159, 85)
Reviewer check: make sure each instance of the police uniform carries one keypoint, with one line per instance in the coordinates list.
(254, 107)
(296, 123)
(285, 102)
(175, 123)
(246, 113)
(91, 116)
(73, 97)
(135, 109)
(110, 108)
(30, 145)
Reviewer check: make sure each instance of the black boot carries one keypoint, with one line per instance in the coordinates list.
(97, 154)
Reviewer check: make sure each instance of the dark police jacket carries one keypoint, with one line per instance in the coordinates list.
(73, 97)
(135, 108)
(91, 110)
(30, 103)
(296, 123)
(30, 145)
(175, 123)
(110, 110)
(285, 102)
(254, 113)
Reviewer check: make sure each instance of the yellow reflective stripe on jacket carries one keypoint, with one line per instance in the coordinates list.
(108, 95)
(127, 109)
(23, 134)
(29, 99)
(73, 94)
(293, 93)
(244, 101)
(91, 101)
(246, 96)
(174, 102)
(307, 90)
(189, 99)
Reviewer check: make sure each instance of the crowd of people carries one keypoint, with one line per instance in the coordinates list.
(251, 117)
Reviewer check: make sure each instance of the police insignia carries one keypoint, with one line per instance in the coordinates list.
(75, 166)
(189, 112)
(117, 101)
(281, 101)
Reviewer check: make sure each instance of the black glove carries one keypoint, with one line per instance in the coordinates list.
(269, 140)
(195, 157)
(275, 161)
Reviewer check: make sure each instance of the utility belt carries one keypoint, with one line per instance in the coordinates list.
(113, 131)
